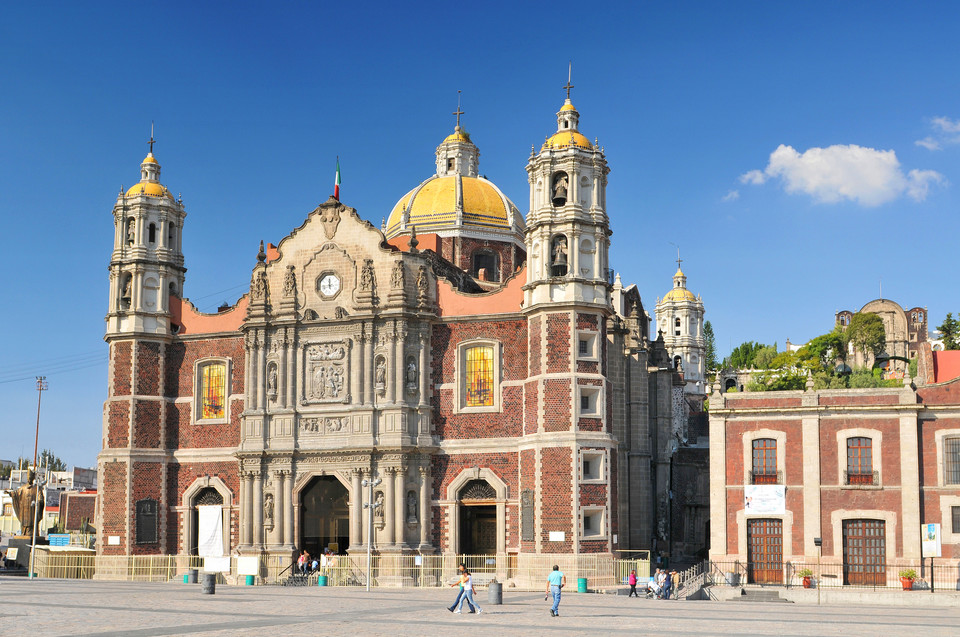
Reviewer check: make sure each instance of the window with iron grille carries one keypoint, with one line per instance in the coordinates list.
(955, 511)
(951, 460)
(859, 460)
(764, 461)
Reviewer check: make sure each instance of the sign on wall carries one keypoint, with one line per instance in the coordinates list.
(930, 540)
(765, 498)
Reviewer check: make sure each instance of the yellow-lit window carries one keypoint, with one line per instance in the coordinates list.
(213, 390)
(479, 365)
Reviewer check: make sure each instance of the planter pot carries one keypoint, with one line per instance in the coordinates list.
(806, 582)
(907, 583)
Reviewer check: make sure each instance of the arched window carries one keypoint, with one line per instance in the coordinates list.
(764, 461)
(152, 231)
(676, 327)
(859, 460)
(485, 266)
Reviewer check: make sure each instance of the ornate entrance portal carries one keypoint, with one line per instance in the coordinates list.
(324, 516)
(478, 519)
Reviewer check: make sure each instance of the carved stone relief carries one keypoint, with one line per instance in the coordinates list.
(330, 218)
(326, 373)
(412, 376)
(325, 425)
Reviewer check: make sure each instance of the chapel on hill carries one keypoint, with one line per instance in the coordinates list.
(485, 365)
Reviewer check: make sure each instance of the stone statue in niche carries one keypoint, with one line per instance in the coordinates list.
(422, 280)
(411, 507)
(272, 382)
(399, 276)
(258, 288)
(367, 278)
(131, 233)
(378, 507)
(380, 376)
(412, 376)
(289, 282)
(268, 510)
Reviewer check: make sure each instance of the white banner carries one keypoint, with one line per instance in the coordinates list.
(210, 531)
(930, 540)
(764, 498)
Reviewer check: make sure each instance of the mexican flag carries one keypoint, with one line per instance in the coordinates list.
(336, 182)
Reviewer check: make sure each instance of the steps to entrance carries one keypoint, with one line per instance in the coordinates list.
(759, 595)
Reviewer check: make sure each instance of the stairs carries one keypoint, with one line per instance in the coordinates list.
(760, 595)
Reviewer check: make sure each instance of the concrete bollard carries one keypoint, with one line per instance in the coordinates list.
(209, 583)
(495, 593)
(191, 577)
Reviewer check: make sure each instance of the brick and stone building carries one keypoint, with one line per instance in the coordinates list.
(487, 368)
(860, 468)
(680, 320)
(906, 331)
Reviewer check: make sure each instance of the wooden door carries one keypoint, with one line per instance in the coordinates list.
(864, 552)
(765, 551)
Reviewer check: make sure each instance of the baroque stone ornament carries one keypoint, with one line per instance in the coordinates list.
(367, 276)
(330, 218)
(422, 280)
(258, 286)
(326, 373)
(324, 425)
(412, 376)
(268, 510)
(399, 276)
(289, 282)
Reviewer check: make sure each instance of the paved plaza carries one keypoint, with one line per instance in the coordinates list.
(83, 607)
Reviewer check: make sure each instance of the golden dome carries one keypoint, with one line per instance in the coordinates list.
(150, 188)
(566, 139)
(458, 136)
(567, 107)
(679, 294)
(149, 159)
(434, 206)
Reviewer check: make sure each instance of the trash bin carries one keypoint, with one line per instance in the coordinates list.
(733, 579)
(250, 580)
(322, 580)
(495, 593)
(582, 585)
(191, 576)
(209, 583)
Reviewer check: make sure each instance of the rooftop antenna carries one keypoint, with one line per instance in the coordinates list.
(569, 77)
(152, 140)
(459, 111)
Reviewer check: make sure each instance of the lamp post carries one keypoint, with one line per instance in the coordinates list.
(41, 386)
(371, 507)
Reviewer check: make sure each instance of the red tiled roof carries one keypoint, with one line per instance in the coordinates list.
(946, 366)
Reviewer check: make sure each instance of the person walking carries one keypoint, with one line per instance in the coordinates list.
(632, 581)
(466, 581)
(556, 580)
(667, 584)
(461, 569)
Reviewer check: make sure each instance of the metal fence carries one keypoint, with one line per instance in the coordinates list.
(943, 575)
(521, 572)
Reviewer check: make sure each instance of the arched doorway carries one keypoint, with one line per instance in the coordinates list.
(324, 516)
(205, 530)
(478, 518)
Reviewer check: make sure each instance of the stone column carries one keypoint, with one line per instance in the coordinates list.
(291, 381)
(247, 366)
(356, 509)
(398, 362)
(425, 512)
(356, 363)
(366, 372)
(391, 377)
(288, 531)
(261, 368)
(400, 500)
(390, 507)
(257, 510)
(279, 528)
(424, 369)
(247, 526)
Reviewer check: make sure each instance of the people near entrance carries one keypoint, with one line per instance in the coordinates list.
(461, 569)
(303, 562)
(632, 581)
(667, 584)
(466, 582)
(555, 581)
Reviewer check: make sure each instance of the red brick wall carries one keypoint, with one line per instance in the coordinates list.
(947, 394)
(556, 499)
(886, 460)
(528, 480)
(118, 424)
(147, 483)
(114, 503)
(122, 366)
(148, 369)
(736, 430)
(76, 506)
(734, 504)
(883, 399)
(531, 405)
(534, 340)
(556, 398)
(146, 428)
(504, 252)
(737, 401)
(558, 336)
(182, 355)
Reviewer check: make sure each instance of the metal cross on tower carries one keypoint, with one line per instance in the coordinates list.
(459, 111)
(569, 77)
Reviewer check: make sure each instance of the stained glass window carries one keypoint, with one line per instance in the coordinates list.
(213, 390)
(479, 377)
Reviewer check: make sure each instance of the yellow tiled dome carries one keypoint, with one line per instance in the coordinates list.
(149, 188)
(458, 136)
(566, 139)
(434, 206)
(149, 159)
(679, 294)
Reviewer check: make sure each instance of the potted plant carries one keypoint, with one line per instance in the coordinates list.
(907, 576)
(806, 574)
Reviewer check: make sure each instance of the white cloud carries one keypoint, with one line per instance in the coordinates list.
(867, 176)
(946, 131)
(733, 195)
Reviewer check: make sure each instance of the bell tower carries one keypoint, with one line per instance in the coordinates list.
(568, 232)
(147, 262)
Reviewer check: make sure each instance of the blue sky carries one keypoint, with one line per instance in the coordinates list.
(798, 153)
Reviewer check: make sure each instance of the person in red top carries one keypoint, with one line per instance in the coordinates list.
(632, 580)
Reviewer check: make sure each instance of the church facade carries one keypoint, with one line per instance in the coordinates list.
(481, 374)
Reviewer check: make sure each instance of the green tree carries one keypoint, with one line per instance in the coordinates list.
(49, 460)
(764, 357)
(866, 333)
(950, 332)
(742, 357)
(711, 345)
(821, 352)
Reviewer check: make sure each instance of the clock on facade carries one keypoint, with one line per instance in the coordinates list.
(328, 285)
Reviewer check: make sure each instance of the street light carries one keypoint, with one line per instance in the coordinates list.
(41, 386)
(370, 506)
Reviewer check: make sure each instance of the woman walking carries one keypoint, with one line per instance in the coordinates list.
(632, 580)
(466, 580)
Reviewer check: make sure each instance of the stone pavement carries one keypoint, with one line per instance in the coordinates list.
(83, 607)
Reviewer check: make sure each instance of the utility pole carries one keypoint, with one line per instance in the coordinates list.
(371, 506)
(41, 386)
